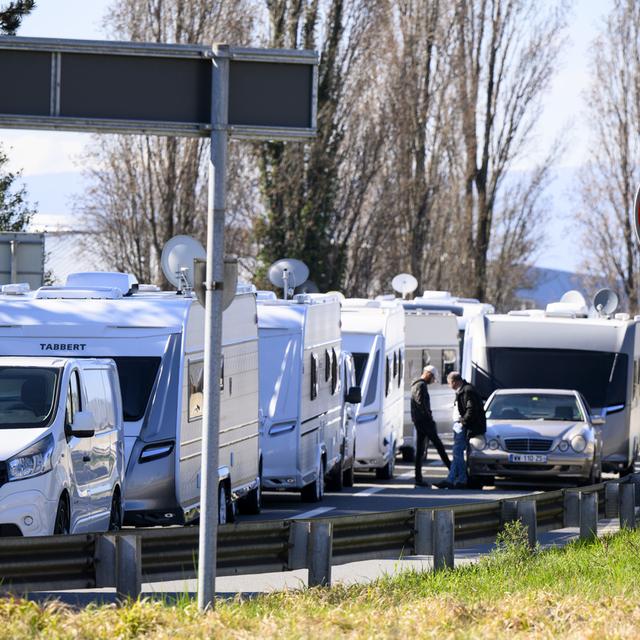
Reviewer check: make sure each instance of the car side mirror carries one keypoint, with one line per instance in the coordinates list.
(83, 425)
(354, 395)
(598, 421)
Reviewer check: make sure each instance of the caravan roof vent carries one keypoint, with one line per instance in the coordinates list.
(245, 287)
(440, 295)
(622, 316)
(572, 305)
(123, 282)
(266, 295)
(78, 293)
(16, 289)
(526, 312)
(385, 297)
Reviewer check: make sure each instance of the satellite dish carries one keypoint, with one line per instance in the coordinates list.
(287, 274)
(404, 284)
(574, 297)
(177, 260)
(605, 302)
(308, 286)
(230, 282)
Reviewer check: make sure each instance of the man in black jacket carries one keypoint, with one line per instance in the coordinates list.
(423, 421)
(471, 421)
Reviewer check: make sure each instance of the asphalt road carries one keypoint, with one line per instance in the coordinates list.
(370, 495)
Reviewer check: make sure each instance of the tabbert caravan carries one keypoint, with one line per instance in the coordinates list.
(156, 340)
(562, 348)
(373, 331)
(62, 454)
(431, 337)
(300, 396)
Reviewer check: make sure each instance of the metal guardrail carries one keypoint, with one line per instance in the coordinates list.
(125, 559)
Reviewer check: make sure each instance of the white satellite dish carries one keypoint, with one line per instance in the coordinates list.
(605, 302)
(404, 284)
(287, 274)
(177, 260)
(574, 297)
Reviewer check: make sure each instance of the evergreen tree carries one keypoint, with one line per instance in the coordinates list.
(11, 15)
(15, 212)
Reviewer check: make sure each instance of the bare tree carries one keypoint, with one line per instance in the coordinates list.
(612, 175)
(506, 52)
(144, 190)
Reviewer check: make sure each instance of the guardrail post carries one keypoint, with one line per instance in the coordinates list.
(508, 511)
(443, 539)
(423, 536)
(527, 513)
(320, 552)
(128, 566)
(634, 478)
(105, 560)
(611, 499)
(588, 515)
(571, 508)
(628, 495)
(298, 544)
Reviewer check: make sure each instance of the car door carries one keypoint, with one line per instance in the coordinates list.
(80, 454)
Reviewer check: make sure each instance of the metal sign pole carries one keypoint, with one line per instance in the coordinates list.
(213, 331)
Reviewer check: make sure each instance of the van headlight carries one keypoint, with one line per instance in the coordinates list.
(33, 461)
(478, 442)
(578, 443)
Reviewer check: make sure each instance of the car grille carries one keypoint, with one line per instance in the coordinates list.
(533, 445)
(3, 473)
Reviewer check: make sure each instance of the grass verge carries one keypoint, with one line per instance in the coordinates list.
(584, 590)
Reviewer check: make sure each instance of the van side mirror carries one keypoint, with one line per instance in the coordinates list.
(83, 425)
(598, 421)
(354, 395)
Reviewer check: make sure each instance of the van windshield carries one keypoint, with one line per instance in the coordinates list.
(137, 376)
(601, 377)
(360, 364)
(27, 396)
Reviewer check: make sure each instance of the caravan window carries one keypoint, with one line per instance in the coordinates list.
(372, 386)
(601, 377)
(387, 376)
(395, 364)
(137, 376)
(400, 368)
(360, 364)
(327, 366)
(334, 371)
(314, 376)
(196, 388)
(448, 363)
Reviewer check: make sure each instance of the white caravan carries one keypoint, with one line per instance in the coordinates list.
(62, 453)
(431, 337)
(351, 398)
(300, 397)
(373, 331)
(156, 340)
(559, 349)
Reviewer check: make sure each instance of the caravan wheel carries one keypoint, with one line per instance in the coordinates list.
(222, 504)
(314, 491)
(386, 472)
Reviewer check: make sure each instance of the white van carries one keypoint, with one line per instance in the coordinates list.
(62, 448)
(300, 397)
(351, 398)
(156, 339)
(373, 331)
(558, 348)
(431, 337)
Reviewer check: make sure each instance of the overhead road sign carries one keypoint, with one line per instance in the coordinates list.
(155, 89)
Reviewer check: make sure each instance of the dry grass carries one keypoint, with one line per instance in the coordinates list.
(583, 591)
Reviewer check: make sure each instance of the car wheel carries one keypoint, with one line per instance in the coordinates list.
(222, 504)
(386, 472)
(62, 525)
(115, 517)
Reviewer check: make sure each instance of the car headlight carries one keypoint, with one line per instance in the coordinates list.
(33, 461)
(478, 442)
(578, 443)
(563, 446)
(493, 444)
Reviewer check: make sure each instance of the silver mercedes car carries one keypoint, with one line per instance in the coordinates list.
(537, 433)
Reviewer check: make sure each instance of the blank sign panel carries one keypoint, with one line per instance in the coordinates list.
(136, 88)
(26, 82)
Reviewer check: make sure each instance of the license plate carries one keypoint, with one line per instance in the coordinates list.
(527, 457)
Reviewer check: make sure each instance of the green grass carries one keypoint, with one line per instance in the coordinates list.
(584, 590)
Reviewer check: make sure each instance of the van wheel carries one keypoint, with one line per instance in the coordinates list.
(222, 504)
(251, 504)
(348, 476)
(62, 525)
(115, 517)
(386, 472)
(314, 491)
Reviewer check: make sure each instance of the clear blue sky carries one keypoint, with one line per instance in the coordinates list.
(50, 160)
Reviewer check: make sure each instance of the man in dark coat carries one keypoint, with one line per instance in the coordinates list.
(471, 421)
(424, 423)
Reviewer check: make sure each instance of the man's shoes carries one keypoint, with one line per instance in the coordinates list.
(444, 484)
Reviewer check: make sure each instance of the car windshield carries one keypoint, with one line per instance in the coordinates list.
(27, 396)
(534, 406)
